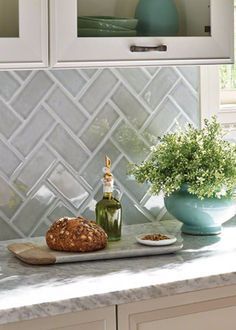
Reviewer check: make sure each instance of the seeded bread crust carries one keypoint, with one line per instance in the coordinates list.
(76, 235)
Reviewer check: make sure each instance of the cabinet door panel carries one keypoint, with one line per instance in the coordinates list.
(217, 320)
(98, 319)
(23, 33)
(97, 325)
(200, 38)
(204, 309)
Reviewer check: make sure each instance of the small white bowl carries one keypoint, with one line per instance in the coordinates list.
(171, 240)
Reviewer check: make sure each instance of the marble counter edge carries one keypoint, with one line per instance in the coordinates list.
(96, 301)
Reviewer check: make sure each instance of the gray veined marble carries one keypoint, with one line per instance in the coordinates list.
(28, 292)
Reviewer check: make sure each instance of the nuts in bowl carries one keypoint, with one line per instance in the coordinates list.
(156, 239)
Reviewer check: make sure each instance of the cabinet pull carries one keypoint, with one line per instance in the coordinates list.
(160, 48)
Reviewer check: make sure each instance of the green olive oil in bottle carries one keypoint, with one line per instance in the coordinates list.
(109, 210)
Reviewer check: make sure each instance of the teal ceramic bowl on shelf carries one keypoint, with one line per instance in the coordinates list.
(105, 33)
(84, 23)
(103, 22)
(200, 217)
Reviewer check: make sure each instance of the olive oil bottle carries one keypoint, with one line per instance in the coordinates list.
(108, 209)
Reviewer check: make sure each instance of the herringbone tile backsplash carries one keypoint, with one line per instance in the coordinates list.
(57, 126)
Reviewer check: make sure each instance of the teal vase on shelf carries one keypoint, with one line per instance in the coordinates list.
(157, 18)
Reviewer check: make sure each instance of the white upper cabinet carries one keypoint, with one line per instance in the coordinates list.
(115, 32)
(23, 34)
(92, 33)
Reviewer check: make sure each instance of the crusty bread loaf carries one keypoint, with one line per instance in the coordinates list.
(76, 235)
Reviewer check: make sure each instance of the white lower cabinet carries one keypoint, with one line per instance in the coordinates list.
(98, 319)
(203, 310)
(212, 309)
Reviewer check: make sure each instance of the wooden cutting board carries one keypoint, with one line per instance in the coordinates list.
(36, 251)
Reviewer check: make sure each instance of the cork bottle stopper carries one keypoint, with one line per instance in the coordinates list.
(108, 175)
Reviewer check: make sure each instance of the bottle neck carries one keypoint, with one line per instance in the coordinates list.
(107, 195)
(107, 188)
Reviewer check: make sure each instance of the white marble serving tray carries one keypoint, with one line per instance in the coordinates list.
(36, 251)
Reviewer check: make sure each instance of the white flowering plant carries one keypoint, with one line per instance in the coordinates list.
(198, 158)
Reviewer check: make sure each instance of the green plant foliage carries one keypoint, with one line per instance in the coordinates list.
(197, 157)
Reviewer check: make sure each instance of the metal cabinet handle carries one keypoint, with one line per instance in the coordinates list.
(160, 48)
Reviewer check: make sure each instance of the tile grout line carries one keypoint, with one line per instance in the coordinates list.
(123, 117)
(180, 109)
(59, 85)
(189, 85)
(22, 86)
(99, 147)
(159, 105)
(98, 110)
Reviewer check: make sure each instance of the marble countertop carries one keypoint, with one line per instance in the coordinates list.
(28, 292)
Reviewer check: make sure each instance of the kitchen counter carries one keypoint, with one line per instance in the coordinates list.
(28, 292)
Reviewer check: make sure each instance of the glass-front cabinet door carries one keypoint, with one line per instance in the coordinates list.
(23, 33)
(132, 32)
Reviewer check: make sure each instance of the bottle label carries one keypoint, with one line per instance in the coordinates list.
(107, 186)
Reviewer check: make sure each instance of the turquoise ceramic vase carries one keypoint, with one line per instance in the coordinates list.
(200, 217)
(157, 18)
